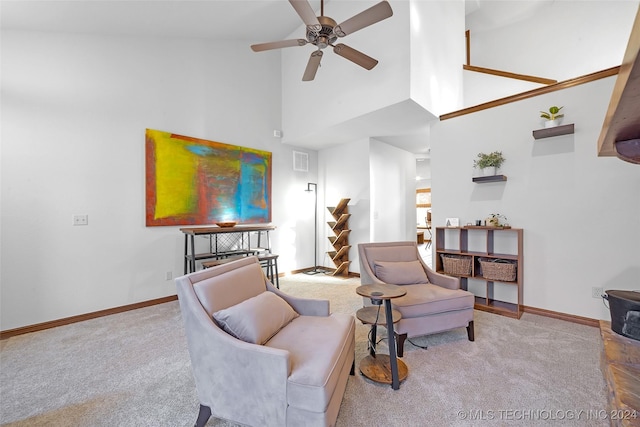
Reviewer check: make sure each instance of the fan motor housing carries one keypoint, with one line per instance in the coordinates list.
(325, 36)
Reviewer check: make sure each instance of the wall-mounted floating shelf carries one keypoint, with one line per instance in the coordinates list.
(491, 178)
(554, 131)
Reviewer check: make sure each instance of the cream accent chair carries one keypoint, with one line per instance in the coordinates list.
(261, 357)
(433, 303)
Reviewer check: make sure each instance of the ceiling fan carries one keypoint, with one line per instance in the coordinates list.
(323, 31)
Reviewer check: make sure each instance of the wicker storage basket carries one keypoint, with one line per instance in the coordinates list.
(498, 269)
(457, 265)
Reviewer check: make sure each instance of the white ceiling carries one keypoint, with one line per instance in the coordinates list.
(249, 20)
(252, 21)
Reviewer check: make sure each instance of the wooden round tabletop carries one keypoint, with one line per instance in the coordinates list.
(381, 292)
(378, 368)
(374, 314)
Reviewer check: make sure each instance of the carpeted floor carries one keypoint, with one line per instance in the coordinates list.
(132, 369)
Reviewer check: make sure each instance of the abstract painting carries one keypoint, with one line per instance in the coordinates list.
(191, 181)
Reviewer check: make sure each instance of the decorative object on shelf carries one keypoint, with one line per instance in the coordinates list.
(226, 224)
(493, 220)
(340, 240)
(552, 116)
(503, 270)
(457, 265)
(489, 163)
(452, 222)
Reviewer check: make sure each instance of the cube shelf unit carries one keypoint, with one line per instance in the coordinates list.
(340, 240)
(485, 302)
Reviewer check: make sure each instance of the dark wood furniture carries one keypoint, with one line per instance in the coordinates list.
(490, 178)
(485, 243)
(381, 367)
(620, 134)
(620, 365)
(240, 235)
(554, 131)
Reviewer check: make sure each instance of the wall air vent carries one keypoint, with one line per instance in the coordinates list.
(300, 161)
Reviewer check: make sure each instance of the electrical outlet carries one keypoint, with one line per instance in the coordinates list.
(81, 220)
(168, 275)
(597, 292)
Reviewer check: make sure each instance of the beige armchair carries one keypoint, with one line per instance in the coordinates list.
(433, 303)
(260, 357)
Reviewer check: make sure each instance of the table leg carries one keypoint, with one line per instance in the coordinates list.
(192, 262)
(268, 242)
(395, 382)
(372, 344)
(186, 252)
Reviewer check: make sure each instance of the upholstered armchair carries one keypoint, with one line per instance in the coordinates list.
(261, 357)
(433, 303)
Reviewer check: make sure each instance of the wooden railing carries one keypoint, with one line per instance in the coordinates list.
(501, 73)
(535, 92)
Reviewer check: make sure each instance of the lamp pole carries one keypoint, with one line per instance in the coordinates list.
(315, 228)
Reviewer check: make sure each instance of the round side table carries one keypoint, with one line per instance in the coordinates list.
(382, 367)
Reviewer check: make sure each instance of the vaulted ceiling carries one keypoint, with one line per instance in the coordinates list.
(250, 21)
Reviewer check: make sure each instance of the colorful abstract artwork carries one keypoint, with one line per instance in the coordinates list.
(192, 181)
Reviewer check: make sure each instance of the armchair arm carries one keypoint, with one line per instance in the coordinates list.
(443, 280)
(303, 306)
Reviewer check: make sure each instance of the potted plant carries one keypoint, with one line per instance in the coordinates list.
(489, 163)
(552, 116)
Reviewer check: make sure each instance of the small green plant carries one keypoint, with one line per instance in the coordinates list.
(495, 159)
(552, 114)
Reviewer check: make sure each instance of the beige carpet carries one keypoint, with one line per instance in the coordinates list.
(132, 369)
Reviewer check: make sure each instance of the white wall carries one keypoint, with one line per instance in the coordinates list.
(554, 39)
(437, 54)
(380, 181)
(344, 173)
(75, 109)
(579, 212)
(393, 193)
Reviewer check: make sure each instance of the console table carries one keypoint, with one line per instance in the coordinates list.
(380, 367)
(239, 235)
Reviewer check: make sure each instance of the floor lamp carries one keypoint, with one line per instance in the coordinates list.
(315, 228)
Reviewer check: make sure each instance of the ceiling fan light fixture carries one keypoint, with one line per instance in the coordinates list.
(322, 31)
(325, 36)
(322, 42)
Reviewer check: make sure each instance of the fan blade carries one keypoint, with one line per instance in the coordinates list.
(355, 56)
(365, 18)
(277, 45)
(307, 14)
(312, 66)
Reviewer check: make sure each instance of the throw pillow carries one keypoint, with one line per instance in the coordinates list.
(256, 319)
(401, 272)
